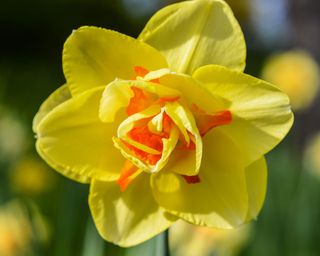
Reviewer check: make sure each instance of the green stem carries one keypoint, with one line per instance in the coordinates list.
(166, 243)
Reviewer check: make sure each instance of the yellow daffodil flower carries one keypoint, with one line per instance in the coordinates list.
(311, 159)
(297, 74)
(186, 239)
(165, 126)
(15, 229)
(21, 227)
(31, 176)
(13, 136)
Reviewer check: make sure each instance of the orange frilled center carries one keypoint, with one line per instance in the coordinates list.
(141, 134)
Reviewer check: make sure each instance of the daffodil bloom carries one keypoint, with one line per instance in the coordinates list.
(22, 228)
(29, 176)
(311, 159)
(186, 239)
(297, 74)
(16, 231)
(165, 126)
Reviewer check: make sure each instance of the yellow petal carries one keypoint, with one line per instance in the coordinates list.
(168, 147)
(127, 153)
(256, 177)
(261, 114)
(73, 140)
(192, 34)
(220, 198)
(130, 217)
(94, 57)
(186, 124)
(56, 98)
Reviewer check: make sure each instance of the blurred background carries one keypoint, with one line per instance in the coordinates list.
(43, 213)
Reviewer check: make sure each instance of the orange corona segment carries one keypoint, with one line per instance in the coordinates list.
(140, 99)
(128, 173)
(206, 122)
(142, 72)
(191, 179)
(214, 120)
(138, 102)
(145, 137)
(163, 100)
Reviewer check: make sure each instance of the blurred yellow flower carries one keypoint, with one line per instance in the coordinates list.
(21, 227)
(12, 135)
(296, 73)
(311, 156)
(164, 127)
(30, 176)
(188, 240)
(15, 230)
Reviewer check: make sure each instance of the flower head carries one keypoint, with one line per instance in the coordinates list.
(21, 227)
(165, 126)
(186, 239)
(311, 159)
(12, 135)
(297, 74)
(30, 176)
(15, 229)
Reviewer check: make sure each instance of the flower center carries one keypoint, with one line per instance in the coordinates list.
(145, 137)
(157, 125)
